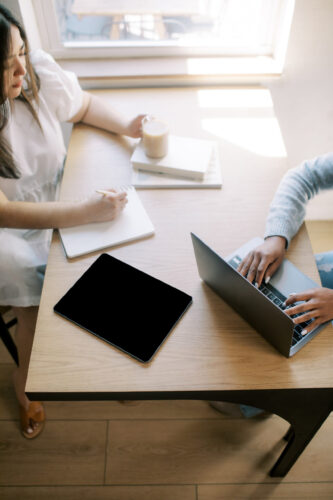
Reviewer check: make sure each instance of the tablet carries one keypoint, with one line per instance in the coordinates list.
(124, 306)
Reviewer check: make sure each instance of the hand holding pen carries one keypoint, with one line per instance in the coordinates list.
(106, 207)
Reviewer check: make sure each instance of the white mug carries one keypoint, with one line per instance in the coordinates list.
(155, 137)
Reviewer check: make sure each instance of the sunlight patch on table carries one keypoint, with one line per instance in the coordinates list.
(261, 136)
(235, 98)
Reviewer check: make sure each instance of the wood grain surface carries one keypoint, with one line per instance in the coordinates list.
(212, 348)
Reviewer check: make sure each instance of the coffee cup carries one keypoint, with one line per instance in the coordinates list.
(155, 134)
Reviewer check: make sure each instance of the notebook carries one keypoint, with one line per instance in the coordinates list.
(263, 308)
(187, 157)
(135, 314)
(131, 224)
(154, 180)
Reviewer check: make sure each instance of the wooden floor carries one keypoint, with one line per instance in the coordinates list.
(162, 450)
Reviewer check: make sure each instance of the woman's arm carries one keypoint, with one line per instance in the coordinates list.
(95, 112)
(57, 214)
(298, 186)
(286, 215)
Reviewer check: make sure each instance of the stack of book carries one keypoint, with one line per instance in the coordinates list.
(189, 163)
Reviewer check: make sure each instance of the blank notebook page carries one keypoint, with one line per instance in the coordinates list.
(132, 223)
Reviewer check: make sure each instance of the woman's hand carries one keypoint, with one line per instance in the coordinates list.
(134, 128)
(318, 305)
(264, 260)
(106, 207)
(58, 214)
(97, 112)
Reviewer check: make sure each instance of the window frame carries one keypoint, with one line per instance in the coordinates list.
(213, 62)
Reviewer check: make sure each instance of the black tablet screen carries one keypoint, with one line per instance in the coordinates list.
(124, 306)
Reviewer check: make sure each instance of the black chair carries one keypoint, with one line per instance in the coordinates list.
(6, 336)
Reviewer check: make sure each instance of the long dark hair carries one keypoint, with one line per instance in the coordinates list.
(8, 168)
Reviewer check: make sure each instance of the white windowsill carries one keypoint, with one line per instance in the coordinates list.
(98, 73)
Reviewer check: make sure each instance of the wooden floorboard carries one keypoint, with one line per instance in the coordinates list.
(209, 451)
(278, 491)
(153, 450)
(205, 451)
(67, 452)
(100, 493)
(132, 410)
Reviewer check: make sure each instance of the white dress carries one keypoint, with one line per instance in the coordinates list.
(39, 155)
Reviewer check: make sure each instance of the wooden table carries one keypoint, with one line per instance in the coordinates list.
(212, 354)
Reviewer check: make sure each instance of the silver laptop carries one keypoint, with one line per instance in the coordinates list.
(263, 307)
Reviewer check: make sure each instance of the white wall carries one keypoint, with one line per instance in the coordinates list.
(303, 96)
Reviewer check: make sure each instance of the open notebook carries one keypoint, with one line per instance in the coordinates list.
(133, 223)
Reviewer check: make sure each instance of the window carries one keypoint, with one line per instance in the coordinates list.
(234, 29)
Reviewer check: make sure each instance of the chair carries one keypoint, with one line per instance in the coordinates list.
(6, 336)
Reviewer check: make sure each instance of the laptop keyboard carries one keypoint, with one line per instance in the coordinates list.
(278, 299)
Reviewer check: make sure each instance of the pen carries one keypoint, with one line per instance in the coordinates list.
(119, 189)
(103, 191)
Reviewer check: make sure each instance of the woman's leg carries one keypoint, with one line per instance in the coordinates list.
(25, 329)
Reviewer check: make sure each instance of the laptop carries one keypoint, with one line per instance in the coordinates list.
(261, 307)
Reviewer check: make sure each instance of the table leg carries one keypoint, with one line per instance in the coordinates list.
(300, 434)
(305, 409)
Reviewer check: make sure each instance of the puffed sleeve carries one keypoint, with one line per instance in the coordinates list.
(60, 89)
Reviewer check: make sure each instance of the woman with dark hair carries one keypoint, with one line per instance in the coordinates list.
(35, 96)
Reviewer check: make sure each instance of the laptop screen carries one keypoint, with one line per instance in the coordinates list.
(243, 297)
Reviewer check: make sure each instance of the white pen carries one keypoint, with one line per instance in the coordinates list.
(121, 189)
(103, 191)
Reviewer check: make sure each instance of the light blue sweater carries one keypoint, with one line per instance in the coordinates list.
(297, 187)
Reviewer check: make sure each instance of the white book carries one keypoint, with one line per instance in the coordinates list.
(131, 224)
(187, 157)
(142, 179)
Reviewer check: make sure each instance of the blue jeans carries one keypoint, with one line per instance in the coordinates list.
(324, 263)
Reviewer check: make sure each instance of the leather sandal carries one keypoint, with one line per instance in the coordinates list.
(32, 420)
